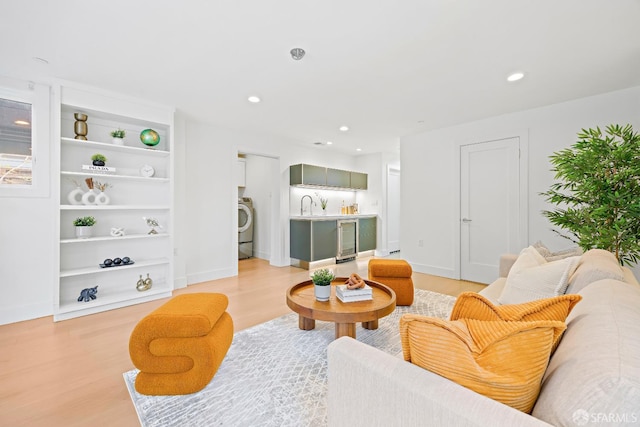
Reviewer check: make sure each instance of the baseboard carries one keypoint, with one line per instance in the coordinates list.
(25, 312)
(433, 270)
(180, 282)
(206, 276)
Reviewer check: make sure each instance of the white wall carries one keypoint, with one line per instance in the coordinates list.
(428, 167)
(27, 225)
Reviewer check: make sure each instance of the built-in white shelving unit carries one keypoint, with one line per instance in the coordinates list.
(132, 198)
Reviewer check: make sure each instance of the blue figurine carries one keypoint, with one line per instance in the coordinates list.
(88, 294)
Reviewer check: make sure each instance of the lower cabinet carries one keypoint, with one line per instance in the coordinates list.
(313, 240)
(367, 234)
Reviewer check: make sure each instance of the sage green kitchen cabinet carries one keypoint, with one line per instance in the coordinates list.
(367, 233)
(358, 180)
(338, 178)
(313, 240)
(307, 175)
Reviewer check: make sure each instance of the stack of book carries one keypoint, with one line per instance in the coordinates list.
(352, 295)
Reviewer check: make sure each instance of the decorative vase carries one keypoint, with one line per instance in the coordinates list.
(102, 199)
(80, 126)
(89, 198)
(118, 141)
(75, 196)
(84, 231)
(150, 137)
(322, 292)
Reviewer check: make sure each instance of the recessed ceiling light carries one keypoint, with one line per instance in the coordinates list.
(22, 122)
(329, 143)
(514, 77)
(344, 128)
(254, 99)
(358, 149)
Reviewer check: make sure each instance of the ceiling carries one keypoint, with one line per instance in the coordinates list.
(383, 68)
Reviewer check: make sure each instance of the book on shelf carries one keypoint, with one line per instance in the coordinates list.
(98, 169)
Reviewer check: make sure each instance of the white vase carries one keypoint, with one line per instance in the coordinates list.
(75, 196)
(89, 198)
(118, 141)
(84, 231)
(102, 199)
(322, 292)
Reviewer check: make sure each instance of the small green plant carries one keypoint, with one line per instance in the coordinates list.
(322, 277)
(119, 133)
(323, 201)
(85, 221)
(98, 158)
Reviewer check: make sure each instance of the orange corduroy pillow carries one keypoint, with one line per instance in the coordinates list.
(471, 305)
(504, 361)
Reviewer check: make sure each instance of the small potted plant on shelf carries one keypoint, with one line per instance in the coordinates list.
(118, 136)
(83, 226)
(322, 283)
(98, 159)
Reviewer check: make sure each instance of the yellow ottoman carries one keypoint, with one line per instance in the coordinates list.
(179, 347)
(396, 274)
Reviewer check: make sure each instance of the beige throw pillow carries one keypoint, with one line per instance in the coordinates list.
(532, 277)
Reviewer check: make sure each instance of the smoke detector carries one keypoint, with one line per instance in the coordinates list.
(297, 53)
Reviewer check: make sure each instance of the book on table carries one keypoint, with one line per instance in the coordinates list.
(352, 295)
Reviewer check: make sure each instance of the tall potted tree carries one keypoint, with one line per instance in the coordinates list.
(598, 191)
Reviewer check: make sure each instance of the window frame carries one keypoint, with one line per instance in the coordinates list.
(38, 96)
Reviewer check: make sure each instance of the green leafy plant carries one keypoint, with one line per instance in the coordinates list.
(98, 157)
(85, 221)
(119, 133)
(598, 193)
(322, 277)
(323, 201)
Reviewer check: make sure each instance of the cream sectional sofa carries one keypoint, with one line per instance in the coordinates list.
(593, 378)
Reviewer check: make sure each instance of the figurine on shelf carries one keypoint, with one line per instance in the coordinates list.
(88, 294)
(153, 223)
(144, 284)
(117, 232)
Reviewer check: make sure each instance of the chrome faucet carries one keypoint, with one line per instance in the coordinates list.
(310, 204)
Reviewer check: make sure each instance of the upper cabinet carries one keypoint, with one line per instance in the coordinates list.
(128, 256)
(304, 175)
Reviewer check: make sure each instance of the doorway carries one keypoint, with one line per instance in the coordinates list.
(493, 215)
(393, 209)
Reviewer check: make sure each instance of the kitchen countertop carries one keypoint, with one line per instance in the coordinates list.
(329, 217)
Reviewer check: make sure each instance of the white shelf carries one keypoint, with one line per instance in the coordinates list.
(103, 299)
(113, 147)
(117, 177)
(99, 270)
(108, 238)
(112, 207)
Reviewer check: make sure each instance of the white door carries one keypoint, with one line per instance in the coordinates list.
(489, 206)
(393, 210)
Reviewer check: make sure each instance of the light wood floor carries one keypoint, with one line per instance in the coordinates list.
(69, 373)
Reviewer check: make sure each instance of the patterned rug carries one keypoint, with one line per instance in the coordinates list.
(274, 374)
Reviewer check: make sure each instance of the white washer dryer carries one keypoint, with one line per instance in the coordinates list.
(245, 228)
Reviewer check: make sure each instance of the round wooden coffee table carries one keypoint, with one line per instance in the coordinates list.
(302, 300)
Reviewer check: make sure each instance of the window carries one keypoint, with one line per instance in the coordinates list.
(24, 138)
(16, 166)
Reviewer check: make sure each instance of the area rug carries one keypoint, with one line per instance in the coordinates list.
(274, 374)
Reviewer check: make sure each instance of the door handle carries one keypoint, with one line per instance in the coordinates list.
(466, 220)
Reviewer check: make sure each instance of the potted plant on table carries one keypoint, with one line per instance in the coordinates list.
(322, 283)
(118, 136)
(83, 226)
